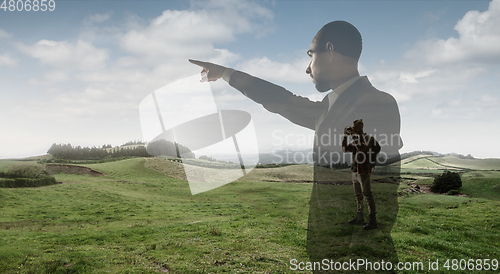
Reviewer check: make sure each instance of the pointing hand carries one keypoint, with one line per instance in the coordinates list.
(210, 72)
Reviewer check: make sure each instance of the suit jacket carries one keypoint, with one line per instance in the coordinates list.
(328, 236)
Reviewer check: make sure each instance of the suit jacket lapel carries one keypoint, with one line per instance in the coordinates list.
(345, 103)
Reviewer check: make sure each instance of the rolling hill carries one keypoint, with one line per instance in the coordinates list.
(141, 218)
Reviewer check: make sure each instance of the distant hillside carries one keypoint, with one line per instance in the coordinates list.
(418, 153)
(425, 163)
(31, 158)
(433, 153)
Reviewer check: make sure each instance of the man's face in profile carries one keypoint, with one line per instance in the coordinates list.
(318, 68)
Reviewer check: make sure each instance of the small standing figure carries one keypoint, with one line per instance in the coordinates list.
(364, 149)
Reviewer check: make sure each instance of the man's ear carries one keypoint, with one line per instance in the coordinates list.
(329, 46)
(330, 50)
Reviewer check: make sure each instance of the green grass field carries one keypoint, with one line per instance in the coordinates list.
(136, 220)
(139, 220)
(5, 164)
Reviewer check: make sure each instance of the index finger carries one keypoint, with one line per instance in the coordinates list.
(196, 62)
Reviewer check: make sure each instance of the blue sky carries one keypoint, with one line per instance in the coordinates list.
(78, 74)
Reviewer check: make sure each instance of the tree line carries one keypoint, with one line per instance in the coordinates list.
(158, 148)
(163, 147)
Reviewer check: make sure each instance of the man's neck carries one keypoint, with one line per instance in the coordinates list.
(338, 82)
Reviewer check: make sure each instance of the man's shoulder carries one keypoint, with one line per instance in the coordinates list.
(366, 91)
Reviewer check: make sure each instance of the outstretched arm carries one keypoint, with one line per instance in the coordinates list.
(297, 109)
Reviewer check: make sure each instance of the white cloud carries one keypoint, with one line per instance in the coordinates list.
(438, 69)
(446, 84)
(316, 96)
(488, 100)
(194, 33)
(56, 76)
(224, 56)
(154, 53)
(290, 72)
(65, 55)
(50, 78)
(7, 61)
(4, 34)
(406, 81)
(97, 18)
(102, 27)
(432, 16)
(243, 16)
(456, 103)
(436, 112)
(412, 77)
(479, 37)
(143, 55)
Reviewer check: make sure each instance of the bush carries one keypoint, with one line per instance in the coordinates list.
(28, 182)
(446, 182)
(453, 192)
(24, 171)
(26, 176)
(4, 182)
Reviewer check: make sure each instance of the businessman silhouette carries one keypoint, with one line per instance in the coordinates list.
(334, 53)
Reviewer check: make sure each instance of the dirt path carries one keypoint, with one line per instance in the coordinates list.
(72, 169)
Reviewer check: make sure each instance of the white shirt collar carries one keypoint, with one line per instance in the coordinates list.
(332, 96)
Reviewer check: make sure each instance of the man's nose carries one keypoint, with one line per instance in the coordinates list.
(308, 69)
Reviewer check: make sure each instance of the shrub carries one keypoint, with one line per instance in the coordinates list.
(4, 182)
(453, 192)
(25, 171)
(446, 182)
(28, 182)
(26, 176)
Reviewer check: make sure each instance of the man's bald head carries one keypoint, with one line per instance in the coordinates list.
(345, 38)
